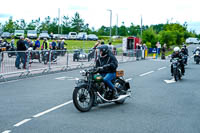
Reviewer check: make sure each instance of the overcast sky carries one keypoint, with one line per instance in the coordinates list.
(95, 13)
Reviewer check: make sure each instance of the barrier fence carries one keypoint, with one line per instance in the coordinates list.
(44, 61)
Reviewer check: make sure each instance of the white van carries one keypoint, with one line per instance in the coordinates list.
(192, 40)
(72, 36)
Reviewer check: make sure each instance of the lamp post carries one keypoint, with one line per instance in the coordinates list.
(110, 23)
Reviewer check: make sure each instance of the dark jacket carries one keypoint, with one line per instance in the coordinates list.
(21, 45)
(109, 63)
(174, 55)
(185, 51)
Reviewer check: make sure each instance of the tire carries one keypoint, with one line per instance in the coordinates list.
(175, 75)
(179, 75)
(77, 100)
(120, 83)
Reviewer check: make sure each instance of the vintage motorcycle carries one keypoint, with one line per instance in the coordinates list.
(176, 69)
(92, 91)
(197, 56)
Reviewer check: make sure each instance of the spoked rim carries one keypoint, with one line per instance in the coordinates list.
(83, 98)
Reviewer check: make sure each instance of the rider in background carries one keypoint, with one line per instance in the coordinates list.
(177, 54)
(107, 65)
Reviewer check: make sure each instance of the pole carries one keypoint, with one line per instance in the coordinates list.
(141, 27)
(58, 20)
(117, 26)
(110, 23)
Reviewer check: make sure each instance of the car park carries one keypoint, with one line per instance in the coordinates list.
(82, 36)
(63, 36)
(92, 37)
(6, 35)
(72, 36)
(32, 34)
(44, 35)
(19, 33)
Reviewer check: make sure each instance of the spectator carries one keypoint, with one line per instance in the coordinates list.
(21, 48)
(138, 49)
(163, 50)
(26, 42)
(53, 45)
(58, 44)
(45, 44)
(37, 44)
(62, 44)
(12, 43)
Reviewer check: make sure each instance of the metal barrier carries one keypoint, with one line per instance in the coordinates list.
(44, 61)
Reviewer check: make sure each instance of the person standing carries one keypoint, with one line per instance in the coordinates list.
(21, 48)
(163, 50)
(37, 44)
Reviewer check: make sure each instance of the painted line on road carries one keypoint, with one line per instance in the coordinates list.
(161, 68)
(21, 122)
(170, 81)
(60, 78)
(146, 73)
(7, 131)
(74, 79)
(52, 109)
(128, 79)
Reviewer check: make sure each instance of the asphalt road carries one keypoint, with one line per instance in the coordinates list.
(43, 104)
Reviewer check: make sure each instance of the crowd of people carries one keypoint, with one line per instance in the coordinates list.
(23, 45)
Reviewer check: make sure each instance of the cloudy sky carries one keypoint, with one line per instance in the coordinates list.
(95, 12)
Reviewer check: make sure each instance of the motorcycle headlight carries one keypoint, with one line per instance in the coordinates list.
(197, 52)
(83, 73)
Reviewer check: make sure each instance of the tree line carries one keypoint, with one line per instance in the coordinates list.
(169, 33)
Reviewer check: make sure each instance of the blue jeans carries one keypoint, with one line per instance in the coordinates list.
(20, 55)
(107, 80)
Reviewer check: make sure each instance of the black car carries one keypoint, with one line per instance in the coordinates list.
(6, 35)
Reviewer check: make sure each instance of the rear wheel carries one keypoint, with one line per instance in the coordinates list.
(83, 99)
(120, 84)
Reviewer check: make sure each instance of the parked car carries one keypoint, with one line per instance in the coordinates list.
(6, 35)
(63, 36)
(82, 36)
(56, 36)
(192, 40)
(44, 35)
(72, 36)
(32, 34)
(19, 33)
(92, 37)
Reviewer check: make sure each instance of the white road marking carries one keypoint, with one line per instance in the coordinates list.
(60, 78)
(7, 131)
(161, 68)
(170, 81)
(52, 109)
(21, 122)
(74, 79)
(128, 79)
(146, 73)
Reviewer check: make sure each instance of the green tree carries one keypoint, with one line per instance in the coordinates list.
(123, 30)
(31, 25)
(150, 36)
(9, 26)
(77, 23)
(66, 24)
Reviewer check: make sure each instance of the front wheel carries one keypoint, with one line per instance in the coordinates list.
(83, 99)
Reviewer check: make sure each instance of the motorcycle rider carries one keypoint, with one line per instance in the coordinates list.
(107, 65)
(177, 54)
(184, 52)
(197, 49)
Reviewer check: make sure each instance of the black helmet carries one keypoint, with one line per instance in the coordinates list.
(104, 49)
